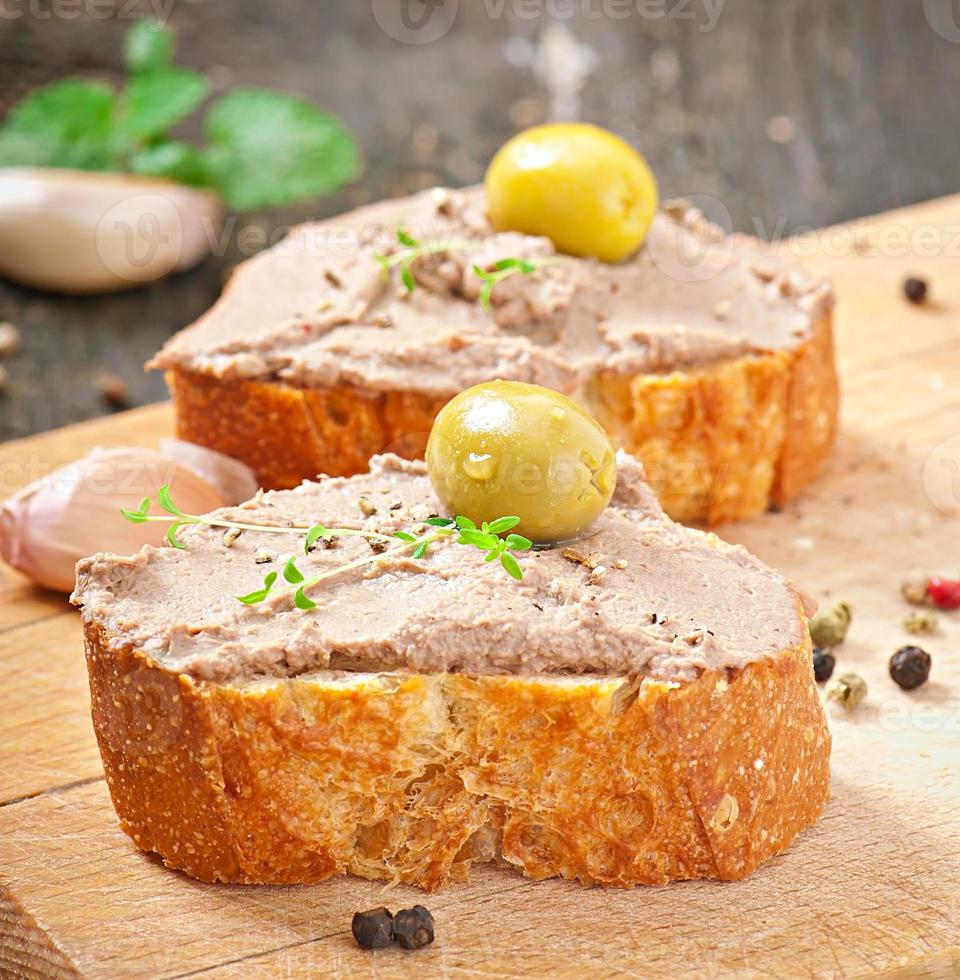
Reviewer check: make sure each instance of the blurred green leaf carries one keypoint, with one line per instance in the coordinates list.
(160, 98)
(148, 46)
(267, 148)
(173, 160)
(66, 124)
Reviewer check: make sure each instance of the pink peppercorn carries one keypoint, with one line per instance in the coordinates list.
(944, 593)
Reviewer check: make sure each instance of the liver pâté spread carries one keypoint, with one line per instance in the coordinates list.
(671, 603)
(317, 310)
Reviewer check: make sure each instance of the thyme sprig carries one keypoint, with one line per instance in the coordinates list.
(487, 538)
(415, 248)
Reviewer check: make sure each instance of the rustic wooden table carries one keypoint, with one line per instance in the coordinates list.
(870, 891)
(802, 112)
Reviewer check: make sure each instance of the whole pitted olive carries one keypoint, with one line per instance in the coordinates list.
(584, 188)
(507, 448)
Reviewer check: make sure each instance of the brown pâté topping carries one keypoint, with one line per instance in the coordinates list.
(497, 540)
(366, 507)
(230, 536)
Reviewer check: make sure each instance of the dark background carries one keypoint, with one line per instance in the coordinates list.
(868, 90)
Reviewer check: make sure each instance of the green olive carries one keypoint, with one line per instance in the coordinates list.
(510, 449)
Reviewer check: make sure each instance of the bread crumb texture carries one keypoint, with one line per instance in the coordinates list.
(414, 778)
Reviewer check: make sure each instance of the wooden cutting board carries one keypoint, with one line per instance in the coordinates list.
(874, 888)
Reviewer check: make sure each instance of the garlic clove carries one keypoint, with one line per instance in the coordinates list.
(235, 480)
(76, 231)
(47, 527)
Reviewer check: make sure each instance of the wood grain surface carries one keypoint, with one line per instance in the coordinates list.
(873, 889)
(867, 89)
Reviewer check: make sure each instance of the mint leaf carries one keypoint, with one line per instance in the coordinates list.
(173, 160)
(267, 148)
(66, 124)
(148, 45)
(160, 98)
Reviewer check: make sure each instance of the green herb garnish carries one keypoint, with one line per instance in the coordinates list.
(486, 538)
(414, 248)
(263, 148)
(500, 271)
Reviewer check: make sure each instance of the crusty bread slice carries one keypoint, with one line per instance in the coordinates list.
(706, 356)
(415, 777)
(719, 443)
(235, 750)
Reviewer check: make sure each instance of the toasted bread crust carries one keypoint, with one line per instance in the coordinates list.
(718, 443)
(415, 777)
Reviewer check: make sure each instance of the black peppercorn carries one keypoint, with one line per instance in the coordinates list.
(910, 667)
(413, 928)
(373, 929)
(915, 289)
(823, 663)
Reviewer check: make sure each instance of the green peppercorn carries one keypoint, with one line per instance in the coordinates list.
(413, 928)
(910, 667)
(823, 664)
(848, 689)
(920, 622)
(829, 626)
(373, 929)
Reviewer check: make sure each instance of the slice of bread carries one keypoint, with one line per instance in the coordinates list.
(652, 722)
(708, 358)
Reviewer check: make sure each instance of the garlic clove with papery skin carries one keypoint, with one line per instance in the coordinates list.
(48, 526)
(75, 231)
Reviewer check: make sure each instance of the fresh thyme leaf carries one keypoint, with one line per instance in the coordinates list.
(464, 523)
(479, 539)
(405, 238)
(500, 270)
(511, 565)
(165, 501)
(492, 555)
(302, 601)
(421, 549)
(313, 536)
(291, 573)
(501, 524)
(486, 290)
(138, 516)
(406, 277)
(172, 534)
(404, 536)
(259, 595)
(439, 521)
(517, 542)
